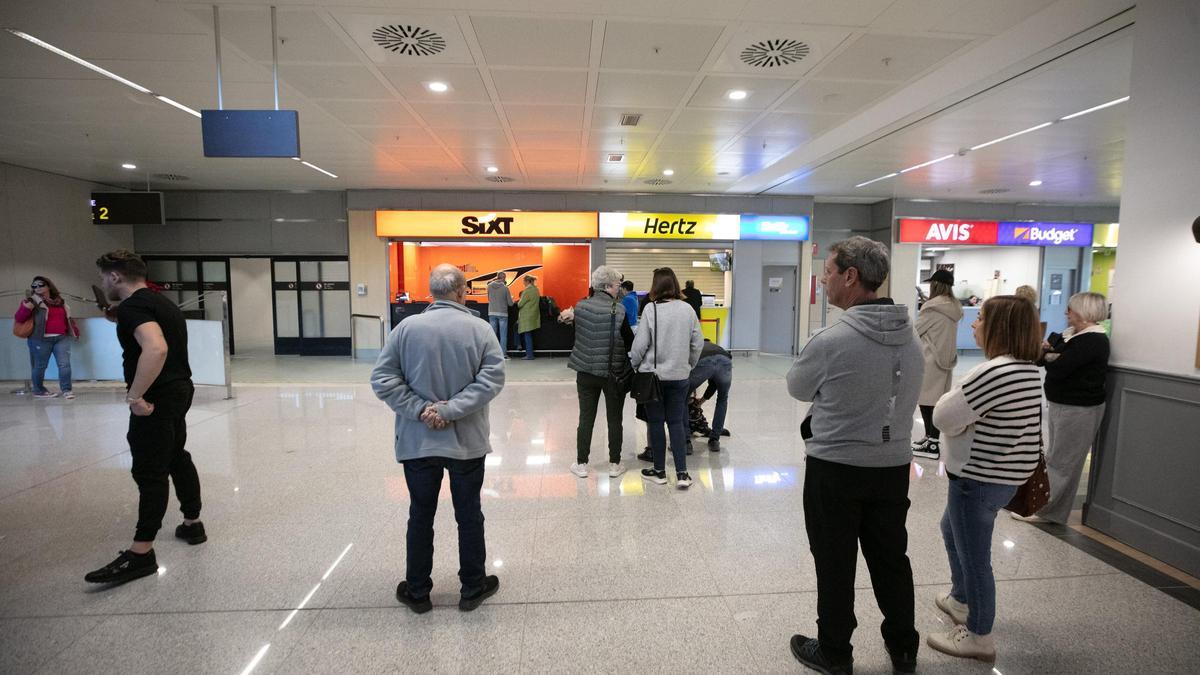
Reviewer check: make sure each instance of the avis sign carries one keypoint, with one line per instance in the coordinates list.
(973, 232)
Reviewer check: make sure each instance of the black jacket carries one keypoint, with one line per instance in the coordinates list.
(1077, 376)
(694, 298)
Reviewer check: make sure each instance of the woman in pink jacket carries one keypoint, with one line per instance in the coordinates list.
(52, 330)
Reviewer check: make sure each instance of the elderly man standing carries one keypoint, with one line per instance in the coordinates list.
(499, 300)
(438, 371)
(863, 377)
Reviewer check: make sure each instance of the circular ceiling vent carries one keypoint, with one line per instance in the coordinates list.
(657, 181)
(773, 53)
(170, 176)
(500, 179)
(994, 191)
(409, 40)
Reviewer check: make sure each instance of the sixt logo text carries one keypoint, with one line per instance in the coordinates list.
(498, 225)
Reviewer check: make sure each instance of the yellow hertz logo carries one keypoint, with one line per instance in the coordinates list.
(1021, 233)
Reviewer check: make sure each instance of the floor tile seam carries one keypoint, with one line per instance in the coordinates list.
(743, 639)
(50, 659)
(63, 475)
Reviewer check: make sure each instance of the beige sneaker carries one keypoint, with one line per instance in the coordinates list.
(580, 470)
(615, 469)
(1035, 518)
(964, 644)
(957, 610)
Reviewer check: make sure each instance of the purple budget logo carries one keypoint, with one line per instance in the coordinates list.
(1045, 234)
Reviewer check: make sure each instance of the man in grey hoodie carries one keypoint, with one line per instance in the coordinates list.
(438, 371)
(499, 300)
(863, 377)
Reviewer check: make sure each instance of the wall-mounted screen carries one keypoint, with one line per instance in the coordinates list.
(127, 208)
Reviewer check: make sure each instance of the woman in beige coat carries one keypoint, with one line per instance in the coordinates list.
(937, 328)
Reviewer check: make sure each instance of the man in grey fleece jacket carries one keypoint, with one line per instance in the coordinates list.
(438, 371)
(863, 377)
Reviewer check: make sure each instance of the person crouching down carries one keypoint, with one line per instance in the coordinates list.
(438, 372)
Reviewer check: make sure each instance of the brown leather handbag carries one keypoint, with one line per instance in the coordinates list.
(1035, 493)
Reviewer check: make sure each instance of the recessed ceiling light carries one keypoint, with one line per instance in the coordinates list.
(1034, 183)
(668, 172)
(737, 94)
(437, 87)
(493, 169)
(127, 165)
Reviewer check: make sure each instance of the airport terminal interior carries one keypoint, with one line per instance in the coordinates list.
(300, 179)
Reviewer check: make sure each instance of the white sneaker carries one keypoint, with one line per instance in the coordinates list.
(964, 644)
(683, 481)
(579, 470)
(957, 610)
(69, 395)
(1035, 518)
(615, 470)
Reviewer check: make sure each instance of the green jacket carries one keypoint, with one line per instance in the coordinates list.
(529, 314)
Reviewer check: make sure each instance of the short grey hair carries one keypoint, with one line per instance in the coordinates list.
(868, 256)
(446, 280)
(501, 276)
(1091, 307)
(605, 276)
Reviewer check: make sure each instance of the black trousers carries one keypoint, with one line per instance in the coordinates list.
(843, 507)
(589, 387)
(156, 443)
(424, 479)
(930, 430)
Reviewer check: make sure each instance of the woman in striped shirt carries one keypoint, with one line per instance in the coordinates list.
(991, 438)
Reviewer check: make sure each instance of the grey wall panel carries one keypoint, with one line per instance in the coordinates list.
(670, 203)
(745, 328)
(458, 201)
(233, 204)
(370, 200)
(737, 204)
(314, 238)
(180, 205)
(595, 201)
(790, 205)
(323, 205)
(1146, 466)
(967, 210)
(1043, 212)
(1097, 214)
(234, 237)
(844, 217)
(367, 200)
(174, 237)
(533, 201)
(985, 211)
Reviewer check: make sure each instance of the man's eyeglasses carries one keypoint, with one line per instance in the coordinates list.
(37, 284)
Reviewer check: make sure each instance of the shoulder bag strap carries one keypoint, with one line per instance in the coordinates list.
(654, 337)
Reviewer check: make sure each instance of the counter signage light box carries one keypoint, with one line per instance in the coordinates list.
(485, 225)
(127, 208)
(961, 232)
(696, 226)
(1045, 234)
(784, 228)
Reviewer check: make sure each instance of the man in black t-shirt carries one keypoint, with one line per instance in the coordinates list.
(153, 337)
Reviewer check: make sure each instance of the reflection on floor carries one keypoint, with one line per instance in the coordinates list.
(305, 508)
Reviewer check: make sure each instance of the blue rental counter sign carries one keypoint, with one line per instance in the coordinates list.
(1044, 234)
(789, 228)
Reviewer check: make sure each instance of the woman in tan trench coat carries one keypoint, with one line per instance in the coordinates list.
(937, 328)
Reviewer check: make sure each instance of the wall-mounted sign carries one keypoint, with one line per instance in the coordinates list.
(1045, 234)
(786, 228)
(485, 225)
(963, 232)
(669, 226)
(127, 208)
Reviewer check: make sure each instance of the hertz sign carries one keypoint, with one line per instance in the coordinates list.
(486, 225)
(993, 233)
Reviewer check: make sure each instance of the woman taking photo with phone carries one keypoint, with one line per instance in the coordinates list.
(991, 439)
(52, 330)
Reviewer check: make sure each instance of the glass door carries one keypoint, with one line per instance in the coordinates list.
(186, 279)
(312, 306)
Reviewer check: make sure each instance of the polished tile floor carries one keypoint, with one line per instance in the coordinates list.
(306, 507)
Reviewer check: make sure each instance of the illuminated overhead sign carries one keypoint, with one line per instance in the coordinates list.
(788, 228)
(1045, 234)
(485, 225)
(669, 226)
(964, 232)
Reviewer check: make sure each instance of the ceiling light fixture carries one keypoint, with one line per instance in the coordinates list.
(493, 169)
(437, 87)
(177, 104)
(668, 172)
(127, 165)
(876, 180)
(1102, 106)
(317, 168)
(1043, 125)
(737, 94)
(1035, 183)
(932, 161)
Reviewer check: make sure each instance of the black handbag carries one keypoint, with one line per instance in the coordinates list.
(646, 387)
(622, 376)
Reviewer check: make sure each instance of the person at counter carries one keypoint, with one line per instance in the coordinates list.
(529, 314)
(692, 296)
(630, 300)
(499, 300)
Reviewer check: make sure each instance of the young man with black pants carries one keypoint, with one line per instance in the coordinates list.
(863, 377)
(153, 337)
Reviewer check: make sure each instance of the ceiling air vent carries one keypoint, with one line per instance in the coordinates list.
(409, 40)
(169, 176)
(499, 179)
(616, 157)
(631, 119)
(657, 181)
(994, 191)
(772, 53)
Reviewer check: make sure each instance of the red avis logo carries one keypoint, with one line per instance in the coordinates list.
(921, 231)
(949, 232)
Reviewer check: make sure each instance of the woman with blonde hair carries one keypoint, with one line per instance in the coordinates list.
(992, 431)
(937, 328)
(1026, 292)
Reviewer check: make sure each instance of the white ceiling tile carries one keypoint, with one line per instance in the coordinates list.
(609, 141)
(828, 12)
(772, 146)
(533, 41)
(657, 46)
(342, 82)
(609, 118)
(397, 136)
(303, 36)
(370, 113)
(794, 125)
(835, 96)
(548, 140)
(694, 143)
(693, 120)
(561, 157)
(891, 58)
(473, 138)
(761, 92)
(466, 86)
(458, 115)
(541, 86)
(477, 160)
(641, 89)
(547, 117)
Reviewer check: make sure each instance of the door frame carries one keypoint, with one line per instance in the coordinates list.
(301, 345)
(794, 270)
(201, 285)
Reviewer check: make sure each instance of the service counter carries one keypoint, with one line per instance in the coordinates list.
(552, 337)
(714, 324)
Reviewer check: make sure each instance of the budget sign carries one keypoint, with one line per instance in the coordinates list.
(1045, 234)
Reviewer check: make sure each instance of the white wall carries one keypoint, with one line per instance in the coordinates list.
(46, 228)
(250, 288)
(973, 268)
(1156, 299)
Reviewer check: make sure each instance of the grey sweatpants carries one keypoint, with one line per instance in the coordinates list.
(1072, 430)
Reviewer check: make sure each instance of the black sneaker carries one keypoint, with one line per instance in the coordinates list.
(418, 605)
(646, 456)
(808, 651)
(127, 567)
(683, 480)
(714, 445)
(903, 661)
(193, 534)
(491, 584)
(929, 448)
(659, 477)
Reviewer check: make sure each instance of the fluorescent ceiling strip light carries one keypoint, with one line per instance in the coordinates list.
(932, 161)
(317, 168)
(71, 57)
(1043, 125)
(177, 104)
(890, 175)
(1102, 106)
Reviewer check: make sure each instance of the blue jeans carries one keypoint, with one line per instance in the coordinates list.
(718, 370)
(60, 347)
(527, 336)
(967, 531)
(500, 327)
(424, 479)
(672, 409)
